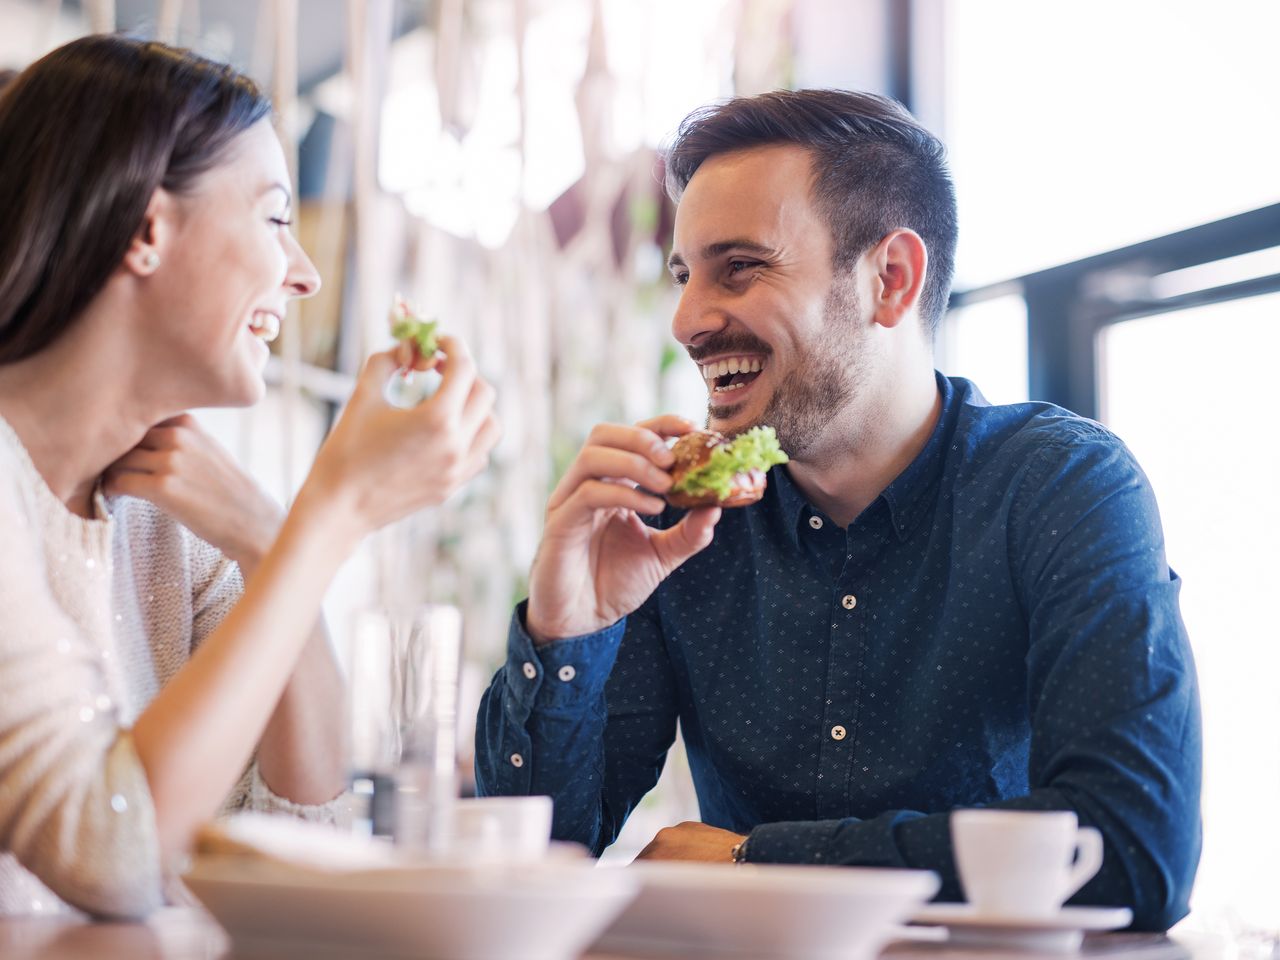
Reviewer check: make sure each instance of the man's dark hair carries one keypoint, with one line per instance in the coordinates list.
(87, 134)
(875, 170)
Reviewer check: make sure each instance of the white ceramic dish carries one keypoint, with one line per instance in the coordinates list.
(750, 911)
(1059, 932)
(546, 911)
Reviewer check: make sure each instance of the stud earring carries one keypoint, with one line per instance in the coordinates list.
(151, 260)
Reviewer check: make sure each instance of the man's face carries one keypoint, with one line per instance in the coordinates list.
(774, 330)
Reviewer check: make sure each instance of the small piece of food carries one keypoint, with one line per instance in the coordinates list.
(712, 471)
(418, 334)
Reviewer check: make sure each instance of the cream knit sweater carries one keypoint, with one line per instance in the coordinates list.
(95, 617)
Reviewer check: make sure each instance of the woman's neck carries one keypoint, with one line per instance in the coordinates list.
(77, 408)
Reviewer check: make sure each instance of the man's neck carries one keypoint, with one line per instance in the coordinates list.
(855, 461)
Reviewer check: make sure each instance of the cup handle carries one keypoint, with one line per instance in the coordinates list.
(1088, 860)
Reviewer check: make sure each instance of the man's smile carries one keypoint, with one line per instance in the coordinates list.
(730, 375)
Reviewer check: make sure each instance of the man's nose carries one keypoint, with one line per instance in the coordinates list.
(697, 314)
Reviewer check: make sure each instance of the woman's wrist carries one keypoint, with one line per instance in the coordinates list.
(321, 508)
(257, 542)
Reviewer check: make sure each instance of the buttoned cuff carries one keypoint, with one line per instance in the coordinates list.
(801, 841)
(867, 843)
(562, 675)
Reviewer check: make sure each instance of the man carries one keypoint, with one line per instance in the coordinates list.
(938, 603)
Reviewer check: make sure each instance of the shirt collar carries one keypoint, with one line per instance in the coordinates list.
(908, 497)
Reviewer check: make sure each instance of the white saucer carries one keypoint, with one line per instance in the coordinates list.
(1059, 932)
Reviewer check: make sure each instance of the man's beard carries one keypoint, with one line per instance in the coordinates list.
(825, 378)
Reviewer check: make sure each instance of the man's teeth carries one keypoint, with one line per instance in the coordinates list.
(265, 326)
(733, 365)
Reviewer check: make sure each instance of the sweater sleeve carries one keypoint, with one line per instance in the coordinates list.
(75, 807)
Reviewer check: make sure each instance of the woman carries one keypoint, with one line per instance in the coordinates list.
(145, 257)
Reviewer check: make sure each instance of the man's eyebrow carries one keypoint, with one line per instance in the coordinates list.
(721, 247)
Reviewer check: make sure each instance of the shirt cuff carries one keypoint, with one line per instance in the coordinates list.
(805, 841)
(561, 675)
(851, 842)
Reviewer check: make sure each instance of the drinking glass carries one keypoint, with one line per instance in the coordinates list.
(403, 668)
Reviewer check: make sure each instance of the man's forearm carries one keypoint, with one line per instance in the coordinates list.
(1137, 871)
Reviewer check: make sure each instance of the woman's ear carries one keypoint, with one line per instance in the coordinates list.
(901, 262)
(146, 250)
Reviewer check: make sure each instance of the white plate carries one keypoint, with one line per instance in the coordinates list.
(1060, 932)
(757, 910)
(548, 911)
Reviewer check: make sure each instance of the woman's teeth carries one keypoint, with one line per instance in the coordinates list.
(265, 326)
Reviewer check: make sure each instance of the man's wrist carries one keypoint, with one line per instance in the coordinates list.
(739, 852)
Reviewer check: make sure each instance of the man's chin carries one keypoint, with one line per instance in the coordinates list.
(729, 419)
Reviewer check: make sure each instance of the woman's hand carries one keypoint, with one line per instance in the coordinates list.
(383, 462)
(190, 476)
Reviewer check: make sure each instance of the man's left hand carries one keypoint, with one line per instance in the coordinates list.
(692, 841)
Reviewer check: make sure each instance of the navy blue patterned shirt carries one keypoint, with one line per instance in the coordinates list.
(998, 628)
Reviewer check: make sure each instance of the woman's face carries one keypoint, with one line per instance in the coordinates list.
(229, 264)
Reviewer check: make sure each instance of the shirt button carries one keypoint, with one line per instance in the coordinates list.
(530, 670)
(849, 601)
(838, 732)
(815, 522)
(567, 673)
(517, 760)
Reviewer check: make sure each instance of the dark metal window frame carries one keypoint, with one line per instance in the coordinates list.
(1068, 305)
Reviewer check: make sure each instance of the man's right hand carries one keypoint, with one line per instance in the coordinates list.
(598, 561)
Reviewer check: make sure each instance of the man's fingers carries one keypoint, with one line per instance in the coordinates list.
(601, 495)
(637, 439)
(598, 463)
(693, 533)
(668, 425)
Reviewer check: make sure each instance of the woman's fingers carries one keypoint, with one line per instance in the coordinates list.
(141, 460)
(378, 369)
(478, 407)
(458, 375)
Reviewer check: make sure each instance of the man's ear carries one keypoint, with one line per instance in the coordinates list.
(900, 262)
(155, 235)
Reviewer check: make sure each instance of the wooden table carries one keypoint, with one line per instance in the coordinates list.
(183, 933)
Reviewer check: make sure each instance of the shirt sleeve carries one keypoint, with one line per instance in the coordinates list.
(1112, 694)
(585, 720)
(75, 806)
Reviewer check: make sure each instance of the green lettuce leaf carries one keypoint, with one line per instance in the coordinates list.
(757, 449)
(421, 332)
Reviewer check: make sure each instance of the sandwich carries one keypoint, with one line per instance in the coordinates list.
(713, 471)
(416, 335)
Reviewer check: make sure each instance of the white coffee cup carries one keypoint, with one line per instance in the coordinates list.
(1020, 862)
(507, 829)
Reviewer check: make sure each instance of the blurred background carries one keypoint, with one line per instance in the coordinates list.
(1117, 164)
